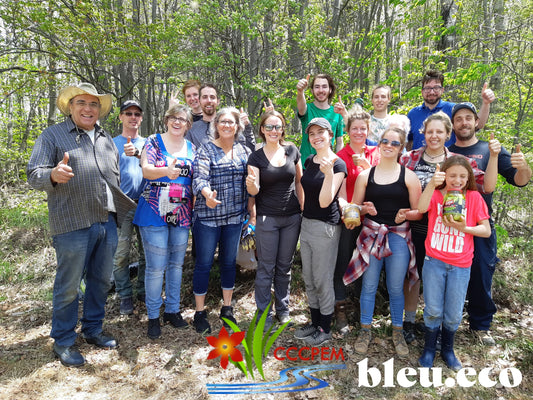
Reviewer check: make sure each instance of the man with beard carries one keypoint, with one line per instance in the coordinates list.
(432, 90)
(379, 120)
(199, 133)
(514, 168)
(323, 90)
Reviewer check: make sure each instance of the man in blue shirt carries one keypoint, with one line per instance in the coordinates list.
(432, 90)
(129, 145)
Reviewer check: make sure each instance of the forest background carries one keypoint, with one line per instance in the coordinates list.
(252, 50)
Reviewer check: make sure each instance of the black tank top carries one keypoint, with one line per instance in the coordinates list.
(387, 199)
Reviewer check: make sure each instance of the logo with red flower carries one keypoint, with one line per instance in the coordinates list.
(224, 347)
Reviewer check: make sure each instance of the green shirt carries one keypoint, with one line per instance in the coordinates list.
(336, 121)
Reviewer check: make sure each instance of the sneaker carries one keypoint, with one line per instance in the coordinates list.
(363, 341)
(305, 331)
(409, 332)
(484, 337)
(283, 319)
(318, 337)
(175, 319)
(227, 312)
(126, 306)
(399, 342)
(340, 317)
(154, 329)
(200, 322)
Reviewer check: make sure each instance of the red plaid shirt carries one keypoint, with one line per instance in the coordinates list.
(373, 240)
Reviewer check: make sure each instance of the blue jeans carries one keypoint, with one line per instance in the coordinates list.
(206, 238)
(481, 307)
(121, 262)
(276, 239)
(444, 293)
(86, 252)
(164, 248)
(396, 269)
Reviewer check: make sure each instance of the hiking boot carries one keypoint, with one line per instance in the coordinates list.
(363, 341)
(318, 337)
(484, 337)
(154, 329)
(200, 322)
(304, 331)
(340, 317)
(175, 319)
(399, 342)
(227, 312)
(409, 332)
(126, 306)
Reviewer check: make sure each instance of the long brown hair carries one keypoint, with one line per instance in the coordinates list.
(266, 116)
(458, 159)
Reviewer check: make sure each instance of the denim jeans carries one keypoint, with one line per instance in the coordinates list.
(276, 239)
(395, 269)
(86, 252)
(206, 238)
(444, 293)
(121, 261)
(164, 248)
(481, 307)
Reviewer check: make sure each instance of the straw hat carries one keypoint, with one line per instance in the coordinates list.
(66, 94)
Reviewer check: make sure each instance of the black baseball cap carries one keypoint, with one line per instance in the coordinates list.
(130, 103)
(460, 106)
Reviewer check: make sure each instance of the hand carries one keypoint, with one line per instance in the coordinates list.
(326, 166)
(360, 161)
(438, 177)
(339, 107)
(129, 148)
(401, 215)
(244, 117)
(303, 83)
(251, 178)
(370, 208)
(172, 171)
(495, 146)
(174, 101)
(487, 94)
(450, 222)
(211, 200)
(269, 107)
(62, 173)
(518, 160)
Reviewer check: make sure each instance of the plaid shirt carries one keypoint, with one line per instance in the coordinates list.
(373, 240)
(82, 201)
(226, 175)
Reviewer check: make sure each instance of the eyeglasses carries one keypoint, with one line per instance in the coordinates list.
(82, 103)
(393, 143)
(432, 88)
(173, 119)
(129, 113)
(270, 128)
(226, 122)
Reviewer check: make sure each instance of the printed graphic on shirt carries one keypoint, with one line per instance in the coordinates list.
(444, 238)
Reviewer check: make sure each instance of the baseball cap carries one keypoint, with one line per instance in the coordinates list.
(322, 122)
(460, 106)
(130, 103)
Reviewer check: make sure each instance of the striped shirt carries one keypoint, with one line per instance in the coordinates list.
(82, 201)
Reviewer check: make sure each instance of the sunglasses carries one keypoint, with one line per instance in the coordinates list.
(270, 128)
(129, 113)
(393, 143)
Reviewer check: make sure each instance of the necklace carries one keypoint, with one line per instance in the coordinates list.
(433, 158)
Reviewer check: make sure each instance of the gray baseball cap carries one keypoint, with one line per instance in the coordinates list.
(322, 122)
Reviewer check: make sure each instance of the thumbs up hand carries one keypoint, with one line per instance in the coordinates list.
(303, 83)
(339, 107)
(487, 94)
(62, 173)
(439, 177)
(211, 199)
(518, 160)
(172, 171)
(251, 180)
(495, 146)
(244, 117)
(129, 148)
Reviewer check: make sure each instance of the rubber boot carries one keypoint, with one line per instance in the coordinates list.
(446, 352)
(428, 355)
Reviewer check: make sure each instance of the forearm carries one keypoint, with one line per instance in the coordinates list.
(327, 192)
(301, 103)
(483, 115)
(425, 198)
(522, 176)
(491, 175)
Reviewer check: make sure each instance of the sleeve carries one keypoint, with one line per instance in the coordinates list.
(42, 160)
(340, 166)
(248, 137)
(479, 207)
(478, 173)
(151, 151)
(202, 171)
(253, 160)
(340, 127)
